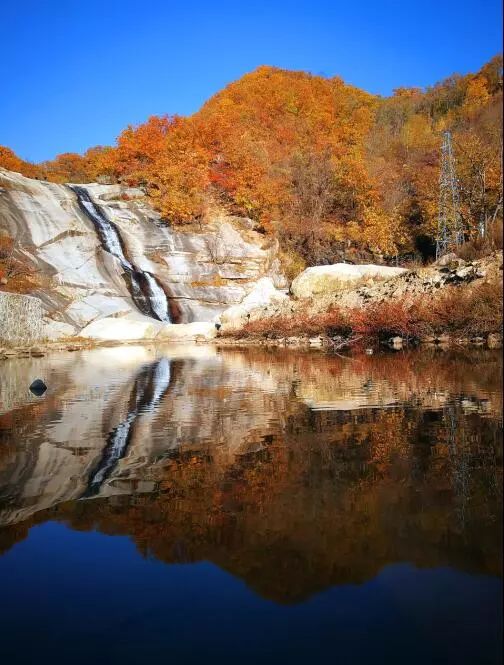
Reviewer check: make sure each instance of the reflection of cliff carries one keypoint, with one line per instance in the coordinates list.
(234, 467)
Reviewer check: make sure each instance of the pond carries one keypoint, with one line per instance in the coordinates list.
(194, 504)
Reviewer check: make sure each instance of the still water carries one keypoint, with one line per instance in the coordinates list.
(196, 505)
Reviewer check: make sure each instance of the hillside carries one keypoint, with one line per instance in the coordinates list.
(322, 165)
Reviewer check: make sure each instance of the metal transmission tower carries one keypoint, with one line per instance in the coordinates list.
(450, 232)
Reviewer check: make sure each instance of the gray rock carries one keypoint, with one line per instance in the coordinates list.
(494, 341)
(450, 259)
(320, 280)
(396, 342)
(38, 387)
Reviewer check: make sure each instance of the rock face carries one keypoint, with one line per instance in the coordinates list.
(263, 296)
(329, 279)
(84, 288)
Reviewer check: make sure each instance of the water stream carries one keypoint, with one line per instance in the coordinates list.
(147, 293)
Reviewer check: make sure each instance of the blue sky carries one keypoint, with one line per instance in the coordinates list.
(73, 74)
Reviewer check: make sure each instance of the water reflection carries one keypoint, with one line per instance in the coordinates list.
(293, 471)
(149, 386)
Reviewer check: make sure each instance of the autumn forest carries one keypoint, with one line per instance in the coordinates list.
(318, 163)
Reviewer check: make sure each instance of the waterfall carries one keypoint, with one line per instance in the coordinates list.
(158, 299)
(145, 290)
(149, 388)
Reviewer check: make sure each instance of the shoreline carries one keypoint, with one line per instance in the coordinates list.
(321, 342)
(325, 342)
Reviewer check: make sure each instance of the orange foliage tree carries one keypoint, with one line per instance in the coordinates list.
(10, 161)
(322, 164)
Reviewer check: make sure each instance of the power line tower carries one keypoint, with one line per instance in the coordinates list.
(450, 232)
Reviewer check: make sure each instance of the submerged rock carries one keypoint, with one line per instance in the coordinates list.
(396, 342)
(38, 387)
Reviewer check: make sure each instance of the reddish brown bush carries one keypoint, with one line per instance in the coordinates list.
(386, 319)
(468, 313)
(16, 274)
(332, 322)
(460, 311)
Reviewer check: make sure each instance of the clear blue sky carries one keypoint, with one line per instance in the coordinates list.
(74, 73)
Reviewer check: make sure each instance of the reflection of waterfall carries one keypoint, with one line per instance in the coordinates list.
(147, 293)
(149, 387)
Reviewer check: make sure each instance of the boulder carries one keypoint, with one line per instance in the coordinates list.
(184, 332)
(450, 259)
(123, 329)
(263, 295)
(38, 387)
(137, 328)
(320, 280)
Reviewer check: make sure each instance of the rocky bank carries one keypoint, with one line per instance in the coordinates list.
(346, 288)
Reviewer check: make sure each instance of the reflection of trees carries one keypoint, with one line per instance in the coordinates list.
(290, 498)
(475, 462)
(330, 497)
(459, 463)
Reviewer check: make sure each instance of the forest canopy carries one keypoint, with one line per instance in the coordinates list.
(317, 162)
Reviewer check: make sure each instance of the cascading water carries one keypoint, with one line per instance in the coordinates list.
(145, 290)
(158, 299)
(149, 388)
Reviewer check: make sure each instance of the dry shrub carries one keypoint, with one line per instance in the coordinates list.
(331, 323)
(292, 263)
(386, 319)
(458, 311)
(413, 262)
(16, 274)
(467, 312)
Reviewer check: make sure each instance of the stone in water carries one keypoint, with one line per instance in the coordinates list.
(38, 387)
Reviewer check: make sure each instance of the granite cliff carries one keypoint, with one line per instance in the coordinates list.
(106, 262)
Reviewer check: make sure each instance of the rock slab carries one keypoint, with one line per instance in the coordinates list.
(320, 280)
